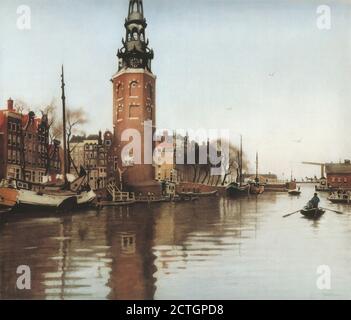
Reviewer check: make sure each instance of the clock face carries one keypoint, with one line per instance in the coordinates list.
(135, 63)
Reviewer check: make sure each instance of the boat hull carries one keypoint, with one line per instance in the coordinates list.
(8, 198)
(294, 193)
(236, 191)
(256, 189)
(340, 201)
(29, 200)
(198, 194)
(312, 213)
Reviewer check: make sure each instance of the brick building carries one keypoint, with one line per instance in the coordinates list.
(93, 153)
(339, 174)
(134, 87)
(24, 146)
(165, 153)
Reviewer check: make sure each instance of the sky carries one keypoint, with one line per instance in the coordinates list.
(262, 69)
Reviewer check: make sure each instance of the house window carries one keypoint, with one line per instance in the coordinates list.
(345, 180)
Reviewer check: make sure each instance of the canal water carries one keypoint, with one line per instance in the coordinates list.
(214, 248)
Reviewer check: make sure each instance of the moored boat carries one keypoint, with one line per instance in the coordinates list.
(236, 190)
(312, 213)
(20, 195)
(8, 197)
(255, 186)
(295, 192)
(198, 194)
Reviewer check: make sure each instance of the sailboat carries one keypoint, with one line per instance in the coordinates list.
(19, 194)
(237, 189)
(255, 186)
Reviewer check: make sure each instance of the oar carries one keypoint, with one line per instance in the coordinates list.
(338, 212)
(290, 214)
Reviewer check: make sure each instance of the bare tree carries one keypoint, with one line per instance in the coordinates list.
(75, 118)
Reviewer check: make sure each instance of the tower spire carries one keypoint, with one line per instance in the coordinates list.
(135, 52)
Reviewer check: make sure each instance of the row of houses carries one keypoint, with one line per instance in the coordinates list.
(94, 153)
(25, 150)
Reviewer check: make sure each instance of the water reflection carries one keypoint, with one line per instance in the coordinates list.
(213, 248)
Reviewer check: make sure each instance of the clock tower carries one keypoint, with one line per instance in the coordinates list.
(134, 101)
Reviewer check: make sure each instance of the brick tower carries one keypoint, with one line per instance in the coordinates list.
(134, 100)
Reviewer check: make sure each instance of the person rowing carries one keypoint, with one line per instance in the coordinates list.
(314, 202)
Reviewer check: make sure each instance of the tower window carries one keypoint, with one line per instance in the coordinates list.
(135, 35)
(150, 91)
(119, 90)
(133, 89)
(134, 111)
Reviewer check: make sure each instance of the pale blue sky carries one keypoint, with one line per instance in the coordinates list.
(213, 60)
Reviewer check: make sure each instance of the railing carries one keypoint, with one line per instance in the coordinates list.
(118, 195)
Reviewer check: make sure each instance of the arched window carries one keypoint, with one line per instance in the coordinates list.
(150, 91)
(135, 6)
(141, 37)
(133, 89)
(119, 90)
(135, 34)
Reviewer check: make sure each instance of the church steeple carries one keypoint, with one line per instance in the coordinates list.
(135, 52)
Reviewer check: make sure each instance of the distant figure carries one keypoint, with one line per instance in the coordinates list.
(315, 201)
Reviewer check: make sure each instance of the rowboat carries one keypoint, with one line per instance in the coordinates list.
(341, 199)
(312, 213)
(294, 192)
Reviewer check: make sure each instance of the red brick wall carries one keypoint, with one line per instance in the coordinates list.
(339, 180)
(2, 157)
(132, 105)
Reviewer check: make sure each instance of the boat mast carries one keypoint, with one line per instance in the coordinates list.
(241, 160)
(64, 126)
(256, 166)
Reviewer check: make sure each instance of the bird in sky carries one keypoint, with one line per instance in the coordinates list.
(298, 141)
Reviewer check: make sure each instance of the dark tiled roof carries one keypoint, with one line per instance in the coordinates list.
(92, 137)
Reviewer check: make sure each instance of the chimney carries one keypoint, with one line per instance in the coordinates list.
(100, 137)
(10, 104)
